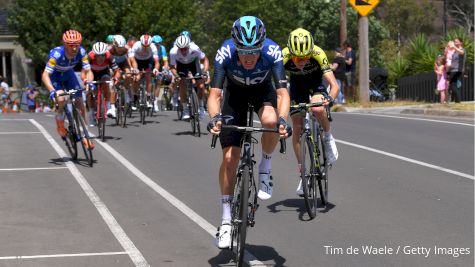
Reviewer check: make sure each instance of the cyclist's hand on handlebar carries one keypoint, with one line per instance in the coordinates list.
(155, 71)
(115, 81)
(90, 86)
(285, 130)
(52, 94)
(214, 126)
(328, 100)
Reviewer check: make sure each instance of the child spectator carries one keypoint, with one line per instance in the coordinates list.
(442, 83)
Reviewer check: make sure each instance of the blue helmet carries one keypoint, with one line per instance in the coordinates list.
(248, 32)
(186, 33)
(157, 39)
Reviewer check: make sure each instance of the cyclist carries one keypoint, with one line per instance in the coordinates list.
(59, 75)
(186, 57)
(143, 57)
(253, 67)
(307, 64)
(163, 56)
(101, 64)
(119, 52)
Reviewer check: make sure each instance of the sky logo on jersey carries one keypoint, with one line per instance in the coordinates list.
(249, 81)
(223, 53)
(275, 52)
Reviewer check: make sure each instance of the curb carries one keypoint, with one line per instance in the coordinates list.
(411, 110)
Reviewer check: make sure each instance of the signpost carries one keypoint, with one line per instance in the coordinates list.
(363, 7)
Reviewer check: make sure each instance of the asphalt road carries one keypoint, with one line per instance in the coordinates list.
(402, 187)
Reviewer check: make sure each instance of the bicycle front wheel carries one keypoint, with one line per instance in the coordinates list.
(307, 174)
(101, 121)
(84, 134)
(240, 214)
(143, 105)
(196, 116)
(71, 138)
(323, 170)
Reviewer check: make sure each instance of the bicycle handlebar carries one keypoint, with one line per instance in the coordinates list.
(307, 105)
(101, 82)
(70, 92)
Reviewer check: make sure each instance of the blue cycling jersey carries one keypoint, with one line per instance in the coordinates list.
(58, 62)
(162, 53)
(269, 66)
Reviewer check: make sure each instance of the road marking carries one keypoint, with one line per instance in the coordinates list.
(20, 132)
(408, 118)
(461, 174)
(407, 159)
(187, 211)
(134, 254)
(14, 119)
(34, 169)
(62, 255)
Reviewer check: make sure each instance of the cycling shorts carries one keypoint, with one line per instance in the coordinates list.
(145, 65)
(183, 69)
(66, 81)
(235, 104)
(302, 88)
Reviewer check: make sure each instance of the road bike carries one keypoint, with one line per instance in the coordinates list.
(244, 203)
(193, 105)
(314, 163)
(101, 107)
(77, 130)
(122, 103)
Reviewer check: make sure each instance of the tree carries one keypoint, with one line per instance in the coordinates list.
(461, 11)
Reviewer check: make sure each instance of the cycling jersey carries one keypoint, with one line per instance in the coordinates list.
(318, 62)
(108, 62)
(143, 53)
(58, 63)
(119, 59)
(194, 54)
(269, 66)
(162, 52)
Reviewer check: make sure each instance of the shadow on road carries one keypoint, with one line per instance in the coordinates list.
(299, 205)
(262, 253)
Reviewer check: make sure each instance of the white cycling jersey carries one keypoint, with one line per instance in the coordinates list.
(194, 53)
(143, 53)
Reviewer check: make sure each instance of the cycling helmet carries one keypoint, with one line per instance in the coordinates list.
(182, 41)
(146, 40)
(186, 33)
(72, 37)
(119, 41)
(248, 32)
(300, 43)
(110, 38)
(100, 48)
(157, 39)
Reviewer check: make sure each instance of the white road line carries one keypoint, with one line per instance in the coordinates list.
(407, 118)
(461, 174)
(134, 254)
(195, 217)
(33, 169)
(62, 255)
(20, 132)
(13, 119)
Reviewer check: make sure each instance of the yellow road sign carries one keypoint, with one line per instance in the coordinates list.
(364, 6)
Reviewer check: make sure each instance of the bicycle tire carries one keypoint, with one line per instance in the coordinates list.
(323, 167)
(124, 109)
(196, 116)
(83, 133)
(118, 104)
(101, 122)
(143, 104)
(71, 138)
(240, 223)
(307, 174)
(179, 111)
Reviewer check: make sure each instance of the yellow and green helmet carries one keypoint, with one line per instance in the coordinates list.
(300, 42)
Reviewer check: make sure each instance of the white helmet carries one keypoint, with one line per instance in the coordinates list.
(119, 41)
(182, 41)
(146, 40)
(100, 48)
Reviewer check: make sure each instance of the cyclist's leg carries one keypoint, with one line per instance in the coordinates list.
(321, 114)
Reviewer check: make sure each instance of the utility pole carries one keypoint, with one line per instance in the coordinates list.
(445, 18)
(363, 47)
(343, 30)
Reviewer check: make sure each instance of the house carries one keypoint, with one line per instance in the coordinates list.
(14, 65)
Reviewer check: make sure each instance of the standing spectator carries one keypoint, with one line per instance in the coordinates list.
(454, 72)
(448, 53)
(339, 68)
(4, 89)
(31, 95)
(350, 60)
(440, 70)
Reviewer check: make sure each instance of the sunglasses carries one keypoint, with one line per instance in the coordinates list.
(72, 45)
(250, 52)
(301, 58)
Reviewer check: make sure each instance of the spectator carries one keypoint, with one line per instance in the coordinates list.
(339, 66)
(448, 53)
(442, 84)
(455, 71)
(31, 95)
(350, 60)
(4, 89)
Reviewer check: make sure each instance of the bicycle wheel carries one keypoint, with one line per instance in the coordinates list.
(119, 105)
(240, 214)
(71, 138)
(307, 175)
(101, 122)
(124, 108)
(84, 134)
(322, 173)
(143, 105)
(195, 114)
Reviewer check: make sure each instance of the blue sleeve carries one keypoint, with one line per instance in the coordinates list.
(273, 53)
(163, 51)
(221, 60)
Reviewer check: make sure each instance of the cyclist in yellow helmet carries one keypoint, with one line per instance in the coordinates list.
(307, 64)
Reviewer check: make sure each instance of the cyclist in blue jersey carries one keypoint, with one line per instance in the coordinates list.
(253, 67)
(164, 67)
(59, 74)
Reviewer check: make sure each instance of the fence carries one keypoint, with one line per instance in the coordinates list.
(421, 87)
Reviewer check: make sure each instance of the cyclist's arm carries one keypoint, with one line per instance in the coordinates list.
(156, 62)
(46, 79)
(214, 101)
(205, 63)
(331, 80)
